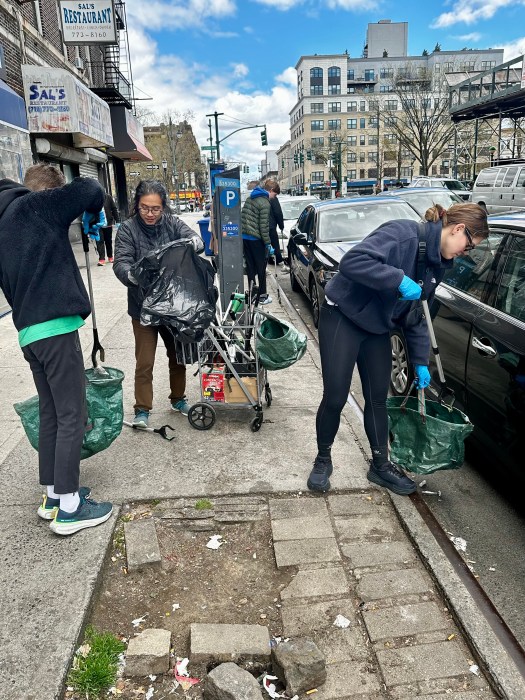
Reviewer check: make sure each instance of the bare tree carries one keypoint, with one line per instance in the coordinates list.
(416, 111)
(146, 116)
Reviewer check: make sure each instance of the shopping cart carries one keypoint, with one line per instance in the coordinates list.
(229, 369)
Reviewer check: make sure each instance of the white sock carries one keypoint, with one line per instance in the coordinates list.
(51, 493)
(69, 502)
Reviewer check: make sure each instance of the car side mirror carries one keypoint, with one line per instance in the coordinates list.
(299, 238)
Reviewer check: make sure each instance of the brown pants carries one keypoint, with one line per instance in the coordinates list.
(145, 347)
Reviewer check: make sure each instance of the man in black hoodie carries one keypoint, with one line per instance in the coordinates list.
(42, 283)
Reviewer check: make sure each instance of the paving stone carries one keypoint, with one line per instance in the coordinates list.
(373, 554)
(367, 526)
(474, 695)
(403, 620)
(142, 545)
(342, 644)
(299, 665)
(308, 528)
(148, 653)
(354, 504)
(303, 620)
(348, 679)
(317, 582)
(229, 642)
(281, 508)
(294, 552)
(388, 584)
(420, 663)
(229, 682)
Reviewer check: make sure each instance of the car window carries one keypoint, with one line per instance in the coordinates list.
(307, 221)
(486, 178)
(292, 209)
(421, 201)
(454, 185)
(521, 178)
(511, 291)
(500, 177)
(302, 219)
(470, 272)
(353, 223)
(509, 176)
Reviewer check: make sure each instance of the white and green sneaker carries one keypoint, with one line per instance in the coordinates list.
(88, 514)
(49, 506)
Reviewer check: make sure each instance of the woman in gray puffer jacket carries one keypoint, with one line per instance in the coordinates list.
(149, 228)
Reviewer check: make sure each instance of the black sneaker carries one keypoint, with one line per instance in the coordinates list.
(391, 477)
(319, 479)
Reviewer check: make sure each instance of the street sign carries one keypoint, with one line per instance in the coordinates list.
(152, 167)
(207, 148)
(134, 174)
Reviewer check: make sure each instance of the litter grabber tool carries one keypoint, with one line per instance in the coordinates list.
(445, 390)
(90, 226)
(162, 431)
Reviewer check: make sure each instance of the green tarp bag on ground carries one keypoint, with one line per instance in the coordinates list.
(427, 435)
(279, 344)
(105, 412)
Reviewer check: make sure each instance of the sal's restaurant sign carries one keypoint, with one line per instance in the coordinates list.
(57, 102)
(88, 22)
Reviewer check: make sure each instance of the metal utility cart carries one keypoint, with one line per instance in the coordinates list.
(230, 372)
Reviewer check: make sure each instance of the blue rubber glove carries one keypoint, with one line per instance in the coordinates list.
(409, 289)
(92, 223)
(269, 249)
(422, 376)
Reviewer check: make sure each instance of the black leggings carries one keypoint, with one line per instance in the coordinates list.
(342, 344)
(255, 257)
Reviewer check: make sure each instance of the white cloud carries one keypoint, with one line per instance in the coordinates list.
(162, 14)
(473, 36)
(288, 76)
(513, 49)
(284, 5)
(471, 11)
(240, 70)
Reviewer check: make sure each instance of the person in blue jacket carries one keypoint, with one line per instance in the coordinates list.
(371, 295)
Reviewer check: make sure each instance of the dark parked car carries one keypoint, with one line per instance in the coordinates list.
(479, 320)
(422, 198)
(326, 230)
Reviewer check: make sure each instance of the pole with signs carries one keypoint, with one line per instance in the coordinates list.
(227, 224)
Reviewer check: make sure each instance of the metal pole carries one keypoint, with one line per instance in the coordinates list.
(216, 116)
(173, 165)
(212, 152)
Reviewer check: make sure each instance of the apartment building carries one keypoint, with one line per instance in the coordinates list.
(341, 101)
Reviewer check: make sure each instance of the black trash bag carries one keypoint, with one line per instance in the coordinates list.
(178, 290)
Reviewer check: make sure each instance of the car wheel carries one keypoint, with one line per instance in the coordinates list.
(402, 375)
(314, 300)
(294, 284)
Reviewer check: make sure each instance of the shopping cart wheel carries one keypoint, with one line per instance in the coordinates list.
(201, 416)
(268, 395)
(256, 423)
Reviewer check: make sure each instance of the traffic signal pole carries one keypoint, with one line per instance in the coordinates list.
(216, 116)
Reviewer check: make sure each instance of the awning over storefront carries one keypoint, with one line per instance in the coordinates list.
(12, 107)
(58, 103)
(128, 136)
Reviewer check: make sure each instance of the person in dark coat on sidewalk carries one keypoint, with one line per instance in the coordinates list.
(276, 220)
(368, 297)
(255, 222)
(105, 242)
(41, 281)
(151, 226)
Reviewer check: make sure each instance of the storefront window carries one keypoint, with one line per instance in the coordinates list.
(15, 152)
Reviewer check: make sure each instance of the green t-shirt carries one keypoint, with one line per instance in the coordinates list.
(47, 329)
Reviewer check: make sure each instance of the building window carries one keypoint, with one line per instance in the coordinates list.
(372, 173)
(390, 121)
(390, 138)
(351, 174)
(362, 140)
(334, 106)
(362, 106)
(369, 74)
(448, 67)
(316, 108)
(487, 65)
(362, 123)
(373, 105)
(369, 88)
(362, 157)
(386, 73)
(351, 157)
(334, 72)
(350, 90)
(351, 106)
(334, 124)
(316, 89)
(317, 124)
(391, 105)
(372, 156)
(406, 172)
(350, 74)
(334, 89)
(316, 73)
(373, 140)
(317, 141)
(373, 121)
(386, 88)
(351, 123)
(403, 72)
(317, 176)
(361, 173)
(351, 140)
(426, 103)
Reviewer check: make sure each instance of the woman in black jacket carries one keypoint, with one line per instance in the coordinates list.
(150, 227)
(367, 298)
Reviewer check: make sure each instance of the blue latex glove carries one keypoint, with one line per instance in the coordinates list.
(409, 289)
(422, 376)
(269, 249)
(92, 223)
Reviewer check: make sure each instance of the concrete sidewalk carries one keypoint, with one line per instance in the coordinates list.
(46, 583)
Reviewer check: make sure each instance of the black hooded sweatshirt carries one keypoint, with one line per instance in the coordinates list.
(38, 271)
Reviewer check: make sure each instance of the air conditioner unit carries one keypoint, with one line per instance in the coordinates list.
(78, 63)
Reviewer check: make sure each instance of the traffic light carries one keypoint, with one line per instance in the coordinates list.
(264, 138)
(247, 168)
(301, 157)
(282, 164)
(295, 158)
(309, 155)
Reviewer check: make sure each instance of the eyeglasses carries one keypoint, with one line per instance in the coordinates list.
(470, 245)
(147, 210)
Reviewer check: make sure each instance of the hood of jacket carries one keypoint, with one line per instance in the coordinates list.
(9, 191)
(259, 192)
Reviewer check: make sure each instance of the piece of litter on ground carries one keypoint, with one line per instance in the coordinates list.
(214, 542)
(139, 620)
(295, 697)
(459, 543)
(492, 568)
(450, 637)
(341, 621)
(181, 667)
(314, 690)
(150, 692)
(474, 669)
(152, 678)
(422, 483)
(255, 555)
(432, 493)
(175, 606)
(270, 687)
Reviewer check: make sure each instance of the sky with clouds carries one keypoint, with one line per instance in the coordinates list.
(238, 56)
